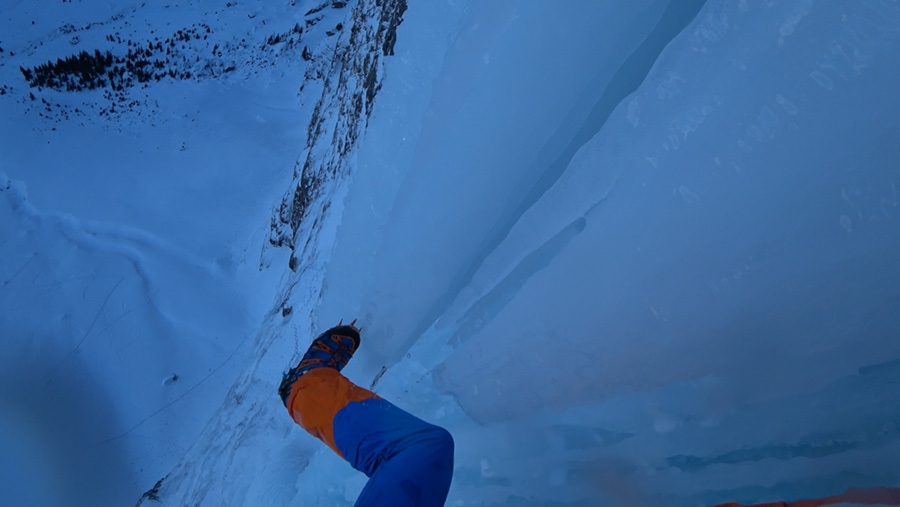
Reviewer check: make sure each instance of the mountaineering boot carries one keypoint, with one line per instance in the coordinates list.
(332, 349)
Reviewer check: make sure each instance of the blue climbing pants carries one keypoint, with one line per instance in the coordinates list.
(409, 462)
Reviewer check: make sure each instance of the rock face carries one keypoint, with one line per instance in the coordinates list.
(350, 83)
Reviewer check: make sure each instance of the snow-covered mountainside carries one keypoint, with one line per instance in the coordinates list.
(630, 254)
(144, 147)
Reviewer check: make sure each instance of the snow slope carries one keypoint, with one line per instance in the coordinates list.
(628, 254)
(132, 226)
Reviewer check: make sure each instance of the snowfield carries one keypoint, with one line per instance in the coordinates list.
(629, 253)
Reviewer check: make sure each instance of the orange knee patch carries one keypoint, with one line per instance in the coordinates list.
(316, 398)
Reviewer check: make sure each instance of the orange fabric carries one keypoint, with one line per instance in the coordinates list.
(317, 396)
(860, 496)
